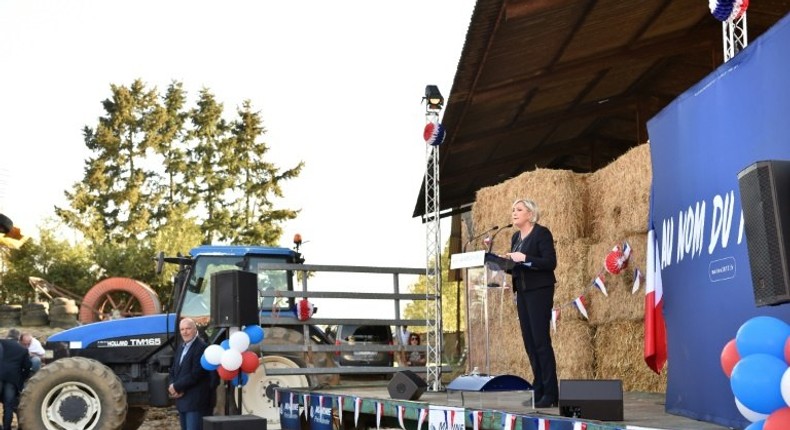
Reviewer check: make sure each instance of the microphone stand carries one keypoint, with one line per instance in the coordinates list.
(491, 243)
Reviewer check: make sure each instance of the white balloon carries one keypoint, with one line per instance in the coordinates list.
(785, 386)
(213, 354)
(239, 341)
(749, 414)
(231, 359)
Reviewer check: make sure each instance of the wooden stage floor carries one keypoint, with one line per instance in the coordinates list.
(642, 411)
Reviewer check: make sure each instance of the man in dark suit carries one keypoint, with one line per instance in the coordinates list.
(190, 383)
(533, 282)
(14, 371)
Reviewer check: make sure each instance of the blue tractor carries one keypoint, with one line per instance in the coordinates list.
(104, 375)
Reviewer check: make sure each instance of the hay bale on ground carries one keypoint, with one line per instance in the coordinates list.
(620, 195)
(621, 304)
(618, 351)
(573, 349)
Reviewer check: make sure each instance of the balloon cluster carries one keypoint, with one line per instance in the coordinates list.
(757, 363)
(231, 359)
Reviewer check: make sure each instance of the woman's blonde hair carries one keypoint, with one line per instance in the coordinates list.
(531, 206)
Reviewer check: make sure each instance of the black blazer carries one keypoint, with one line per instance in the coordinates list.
(15, 362)
(189, 377)
(537, 271)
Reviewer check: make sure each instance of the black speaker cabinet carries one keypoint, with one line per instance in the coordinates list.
(234, 298)
(234, 422)
(592, 399)
(765, 199)
(406, 385)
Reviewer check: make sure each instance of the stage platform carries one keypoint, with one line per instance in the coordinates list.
(495, 410)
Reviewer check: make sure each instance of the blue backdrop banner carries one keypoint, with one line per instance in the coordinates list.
(736, 116)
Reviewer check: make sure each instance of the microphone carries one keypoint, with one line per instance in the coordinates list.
(494, 228)
(491, 242)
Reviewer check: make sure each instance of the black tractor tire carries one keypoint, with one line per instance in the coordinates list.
(289, 336)
(135, 417)
(72, 393)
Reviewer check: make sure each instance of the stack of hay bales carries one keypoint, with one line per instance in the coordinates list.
(63, 313)
(588, 214)
(9, 315)
(35, 314)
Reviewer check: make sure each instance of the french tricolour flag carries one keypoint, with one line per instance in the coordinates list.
(655, 329)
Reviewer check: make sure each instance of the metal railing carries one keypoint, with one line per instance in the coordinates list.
(391, 293)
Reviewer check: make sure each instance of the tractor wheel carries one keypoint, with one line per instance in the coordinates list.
(115, 298)
(257, 395)
(287, 336)
(73, 393)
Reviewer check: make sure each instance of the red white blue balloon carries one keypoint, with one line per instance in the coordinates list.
(433, 134)
(721, 9)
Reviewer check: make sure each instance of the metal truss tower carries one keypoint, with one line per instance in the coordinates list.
(734, 36)
(433, 243)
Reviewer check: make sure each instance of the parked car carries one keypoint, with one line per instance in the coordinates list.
(362, 335)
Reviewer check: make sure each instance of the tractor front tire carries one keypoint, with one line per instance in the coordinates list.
(73, 393)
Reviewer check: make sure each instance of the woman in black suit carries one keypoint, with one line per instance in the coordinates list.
(533, 284)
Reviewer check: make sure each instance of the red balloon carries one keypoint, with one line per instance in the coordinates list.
(249, 362)
(730, 357)
(787, 350)
(225, 374)
(778, 420)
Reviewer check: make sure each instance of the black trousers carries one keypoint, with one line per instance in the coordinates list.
(534, 315)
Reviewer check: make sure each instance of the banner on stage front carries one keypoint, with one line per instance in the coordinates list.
(446, 418)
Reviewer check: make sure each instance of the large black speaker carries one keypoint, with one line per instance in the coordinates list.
(765, 199)
(234, 298)
(234, 422)
(406, 385)
(592, 399)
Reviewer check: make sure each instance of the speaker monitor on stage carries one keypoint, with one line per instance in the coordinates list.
(765, 200)
(234, 298)
(406, 385)
(592, 399)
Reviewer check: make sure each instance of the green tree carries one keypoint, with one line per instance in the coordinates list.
(164, 175)
(452, 301)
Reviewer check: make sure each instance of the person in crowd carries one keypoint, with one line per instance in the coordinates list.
(532, 247)
(190, 383)
(416, 358)
(35, 349)
(14, 371)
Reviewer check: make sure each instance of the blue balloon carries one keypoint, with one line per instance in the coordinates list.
(244, 378)
(762, 335)
(255, 332)
(757, 425)
(756, 381)
(206, 365)
(225, 344)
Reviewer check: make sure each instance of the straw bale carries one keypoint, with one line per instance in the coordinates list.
(561, 196)
(621, 304)
(620, 195)
(619, 355)
(571, 273)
